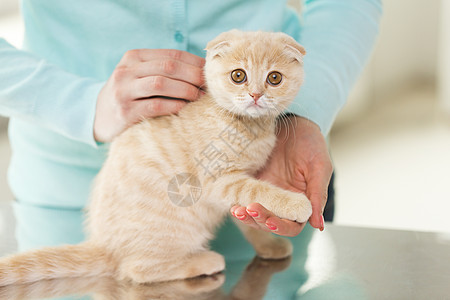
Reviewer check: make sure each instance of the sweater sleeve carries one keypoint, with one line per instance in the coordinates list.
(338, 37)
(34, 89)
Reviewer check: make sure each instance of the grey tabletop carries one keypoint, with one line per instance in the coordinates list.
(339, 263)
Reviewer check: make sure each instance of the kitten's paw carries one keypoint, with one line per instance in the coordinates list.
(205, 284)
(274, 248)
(294, 207)
(260, 265)
(204, 263)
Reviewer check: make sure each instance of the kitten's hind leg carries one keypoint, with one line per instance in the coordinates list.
(190, 266)
(266, 244)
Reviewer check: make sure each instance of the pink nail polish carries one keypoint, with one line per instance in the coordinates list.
(322, 223)
(240, 217)
(271, 227)
(252, 213)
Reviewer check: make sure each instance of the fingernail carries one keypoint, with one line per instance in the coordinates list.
(240, 217)
(271, 227)
(322, 223)
(252, 213)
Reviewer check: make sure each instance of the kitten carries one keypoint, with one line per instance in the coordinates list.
(168, 182)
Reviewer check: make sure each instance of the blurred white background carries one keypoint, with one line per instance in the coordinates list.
(391, 143)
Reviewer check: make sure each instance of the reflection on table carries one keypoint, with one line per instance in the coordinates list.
(339, 263)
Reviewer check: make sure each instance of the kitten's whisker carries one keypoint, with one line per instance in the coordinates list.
(303, 108)
(291, 124)
(280, 119)
(286, 124)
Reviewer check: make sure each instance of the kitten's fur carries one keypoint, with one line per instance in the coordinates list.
(135, 231)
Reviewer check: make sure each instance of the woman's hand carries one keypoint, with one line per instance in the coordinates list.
(300, 162)
(146, 83)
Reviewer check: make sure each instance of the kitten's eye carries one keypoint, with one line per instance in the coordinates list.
(238, 76)
(274, 78)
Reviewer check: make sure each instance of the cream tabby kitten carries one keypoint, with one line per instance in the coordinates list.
(140, 226)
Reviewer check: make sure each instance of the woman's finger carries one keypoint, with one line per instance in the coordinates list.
(284, 227)
(241, 214)
(183, 56)
(139, 55)
(317, 192)
(164, 87)
(171, 68)
(259, 213)
(149, 108)
(267, 220)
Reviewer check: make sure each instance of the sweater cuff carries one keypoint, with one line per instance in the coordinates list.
(74, 120)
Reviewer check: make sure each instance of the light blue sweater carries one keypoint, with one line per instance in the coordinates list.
(49, 89)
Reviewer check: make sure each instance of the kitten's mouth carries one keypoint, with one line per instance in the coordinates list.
(255, 109)
(255, 104)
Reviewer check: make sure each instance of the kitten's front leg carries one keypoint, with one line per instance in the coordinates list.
(266, 244)
(241, 189)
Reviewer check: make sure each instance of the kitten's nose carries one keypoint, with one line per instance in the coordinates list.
(255, 96)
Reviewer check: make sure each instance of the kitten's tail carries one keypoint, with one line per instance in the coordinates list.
(56, 262)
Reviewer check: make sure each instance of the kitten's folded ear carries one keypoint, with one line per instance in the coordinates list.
(295, 49)
(221, 43)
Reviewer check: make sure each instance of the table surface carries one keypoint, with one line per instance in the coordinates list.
(339, 263)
